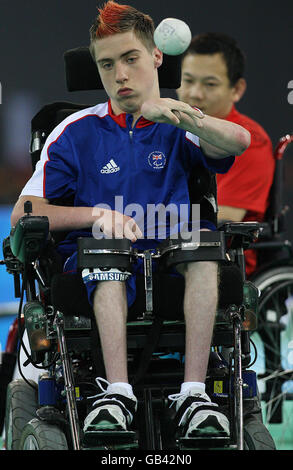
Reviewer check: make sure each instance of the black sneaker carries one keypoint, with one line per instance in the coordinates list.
(197, 416)
(113, 412)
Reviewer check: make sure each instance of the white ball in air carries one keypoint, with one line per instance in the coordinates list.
(172, 36)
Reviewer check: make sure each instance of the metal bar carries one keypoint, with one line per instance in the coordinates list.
(98, 251)
(149, 420)
(39, 274)
(148, 279)
(69, 384)
(194, 245)
(238, 380)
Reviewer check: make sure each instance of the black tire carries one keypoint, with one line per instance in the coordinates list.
(39, 435)
(21, 405)
(272, 276)
(6, 375)
(256, 436)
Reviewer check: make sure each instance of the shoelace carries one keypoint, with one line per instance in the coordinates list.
(176, 396)
(105, 392)
(99, 381)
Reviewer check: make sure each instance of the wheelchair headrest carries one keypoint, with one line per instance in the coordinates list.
(82, 73)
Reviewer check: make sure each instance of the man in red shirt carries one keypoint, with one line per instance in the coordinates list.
(212, 80)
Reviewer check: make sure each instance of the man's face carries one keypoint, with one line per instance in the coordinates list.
(128, 71)
(205, 84)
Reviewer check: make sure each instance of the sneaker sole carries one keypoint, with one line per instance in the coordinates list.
(211, 442)
(111, 438)
(210, 427)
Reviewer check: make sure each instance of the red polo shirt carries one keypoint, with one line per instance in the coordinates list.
(247, 184)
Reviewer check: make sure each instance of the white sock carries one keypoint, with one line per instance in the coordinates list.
(124, 385)
(188, 385)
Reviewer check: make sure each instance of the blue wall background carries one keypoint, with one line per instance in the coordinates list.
(8, 302)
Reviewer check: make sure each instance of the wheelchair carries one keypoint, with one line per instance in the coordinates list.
(274, 279)
(64, 340)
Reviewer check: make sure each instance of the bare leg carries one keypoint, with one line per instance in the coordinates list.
(110, 307)
(200, 303)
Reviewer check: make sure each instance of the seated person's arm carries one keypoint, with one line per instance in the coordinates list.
(218, 138)
(76, 218)
(60, 217)
(233, 214)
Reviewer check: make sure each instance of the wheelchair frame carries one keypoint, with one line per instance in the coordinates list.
(55, 323)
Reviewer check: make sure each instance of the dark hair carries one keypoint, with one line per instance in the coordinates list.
(114, 18)
(212, 43)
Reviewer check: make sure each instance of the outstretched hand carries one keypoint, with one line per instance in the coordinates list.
(170, 111)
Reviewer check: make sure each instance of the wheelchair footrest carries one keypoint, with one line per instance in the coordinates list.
(185, 443)
(110, 439)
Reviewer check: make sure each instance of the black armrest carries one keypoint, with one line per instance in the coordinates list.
(242, 234)
(29, 237)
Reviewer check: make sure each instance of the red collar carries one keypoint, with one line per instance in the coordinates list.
(120, 119)
(233, 115)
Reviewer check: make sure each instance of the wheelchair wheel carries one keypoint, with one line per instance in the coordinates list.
(256, 436)
(21, 405)
(39, 435)
(275, 330)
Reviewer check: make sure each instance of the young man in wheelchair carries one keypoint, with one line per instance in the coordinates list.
(112, 149)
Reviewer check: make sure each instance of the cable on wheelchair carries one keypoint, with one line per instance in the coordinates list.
(20, 337)
(255, 355)
(21, 330)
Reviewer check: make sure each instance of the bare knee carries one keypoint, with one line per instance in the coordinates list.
(201, 281)
(110, 295)
(200, 271)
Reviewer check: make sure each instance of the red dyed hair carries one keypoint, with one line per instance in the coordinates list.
(114, 18)
(110, 17)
